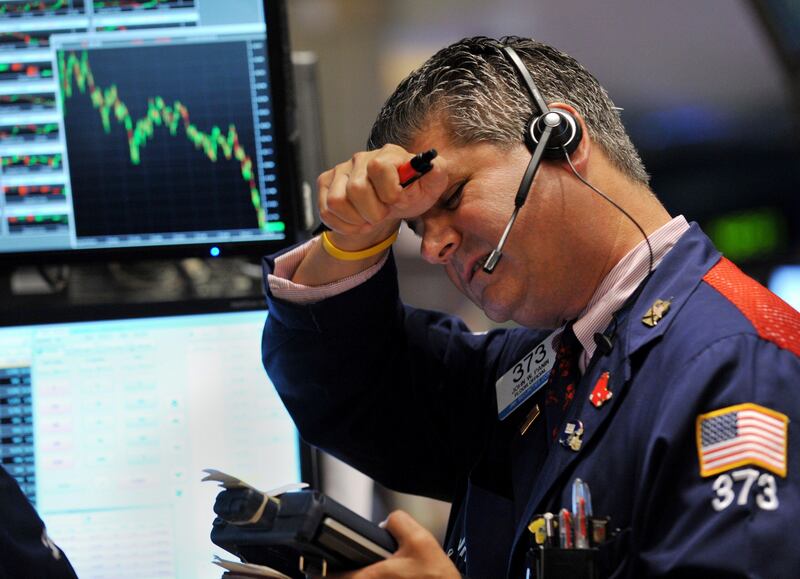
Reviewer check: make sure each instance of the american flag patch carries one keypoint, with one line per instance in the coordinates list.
(742, 434)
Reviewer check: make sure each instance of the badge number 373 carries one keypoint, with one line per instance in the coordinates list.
(523, 367)
(748, 481)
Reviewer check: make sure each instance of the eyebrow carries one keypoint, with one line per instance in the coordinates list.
(451, 192)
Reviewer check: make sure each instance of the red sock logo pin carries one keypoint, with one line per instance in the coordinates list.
(601, 394)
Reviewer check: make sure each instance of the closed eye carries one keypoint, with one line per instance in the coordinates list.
(452, 202)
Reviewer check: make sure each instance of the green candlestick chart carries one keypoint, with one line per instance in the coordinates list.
(76, 73)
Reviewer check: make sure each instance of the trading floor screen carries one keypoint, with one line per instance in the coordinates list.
(107, 426)
(138, 124)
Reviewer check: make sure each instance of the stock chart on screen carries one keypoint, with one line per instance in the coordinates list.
(128, 124)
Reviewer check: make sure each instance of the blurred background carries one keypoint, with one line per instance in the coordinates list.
(710, 92)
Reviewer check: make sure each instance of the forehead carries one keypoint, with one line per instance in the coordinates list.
(462, 160)
(434, 134)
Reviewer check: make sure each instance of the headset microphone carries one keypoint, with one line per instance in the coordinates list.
(549, 134)
(524, 187)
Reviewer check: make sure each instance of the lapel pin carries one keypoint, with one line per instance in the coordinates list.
(601, 394)
(657, 311)
(573, 431)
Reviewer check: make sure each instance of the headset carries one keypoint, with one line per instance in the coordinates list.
(549, 134)
(566, 135)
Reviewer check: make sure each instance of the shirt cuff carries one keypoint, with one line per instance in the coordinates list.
(281, 286)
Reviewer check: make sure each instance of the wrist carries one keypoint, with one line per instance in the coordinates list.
(362, 241)
(368, 253)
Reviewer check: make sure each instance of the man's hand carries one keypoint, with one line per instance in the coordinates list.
(418, 556)
(362, 197)
(362, 202)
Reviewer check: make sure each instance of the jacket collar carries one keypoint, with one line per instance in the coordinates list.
(675, 280)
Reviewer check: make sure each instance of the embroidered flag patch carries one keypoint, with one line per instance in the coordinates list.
(742, 434)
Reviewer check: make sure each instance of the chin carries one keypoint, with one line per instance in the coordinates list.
(498, 315)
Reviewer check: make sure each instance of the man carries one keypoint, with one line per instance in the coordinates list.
(25, 548)
(675, 383)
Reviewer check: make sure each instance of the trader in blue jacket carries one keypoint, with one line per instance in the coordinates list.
(647, 365)
(26, 550)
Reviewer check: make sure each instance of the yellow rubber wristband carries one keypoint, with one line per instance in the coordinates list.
(343, 255)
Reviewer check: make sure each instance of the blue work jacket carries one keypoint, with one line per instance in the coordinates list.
(408, 397)
(26, 551)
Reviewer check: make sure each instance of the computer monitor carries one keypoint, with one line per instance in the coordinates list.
(145, 129)
(107, 426)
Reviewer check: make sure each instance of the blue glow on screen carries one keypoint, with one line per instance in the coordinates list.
(785, 282)
(125, 415)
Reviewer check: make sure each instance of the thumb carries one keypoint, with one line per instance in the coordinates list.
(402, 526)
(434, 182)
(423, 194)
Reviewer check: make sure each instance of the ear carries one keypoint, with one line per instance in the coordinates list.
(580, 156)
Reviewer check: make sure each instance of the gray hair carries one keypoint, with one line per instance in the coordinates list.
(471, 87)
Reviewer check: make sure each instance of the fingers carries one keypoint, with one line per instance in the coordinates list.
(418, 555)
(405, 529)
(364, 193)
(335, 207)
(425, 192)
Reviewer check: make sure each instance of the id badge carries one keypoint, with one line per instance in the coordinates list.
(527, 376)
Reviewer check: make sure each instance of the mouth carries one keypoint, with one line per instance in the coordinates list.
(478, 264)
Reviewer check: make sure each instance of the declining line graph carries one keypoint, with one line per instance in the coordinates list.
(147, 151)
(74, 68)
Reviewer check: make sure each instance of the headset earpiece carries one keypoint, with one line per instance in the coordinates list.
(567, 134)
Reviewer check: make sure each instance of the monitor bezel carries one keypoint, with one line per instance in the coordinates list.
(287, 151)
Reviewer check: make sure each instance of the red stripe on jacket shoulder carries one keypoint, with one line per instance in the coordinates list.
(773, 319)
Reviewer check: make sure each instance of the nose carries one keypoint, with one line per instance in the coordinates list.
(439, 240)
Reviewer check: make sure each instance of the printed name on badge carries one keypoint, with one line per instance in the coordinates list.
(527, 376)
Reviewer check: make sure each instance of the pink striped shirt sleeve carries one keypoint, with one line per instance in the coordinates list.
(286, 265)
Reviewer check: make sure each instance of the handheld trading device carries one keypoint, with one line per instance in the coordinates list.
(295, 533)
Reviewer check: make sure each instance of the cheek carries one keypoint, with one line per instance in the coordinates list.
(455, 280)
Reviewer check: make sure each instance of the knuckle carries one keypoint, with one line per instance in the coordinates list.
(390, 197)
(391, 148)
(335, 202)
(358, 186)
(324, 179)
(375, 165)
